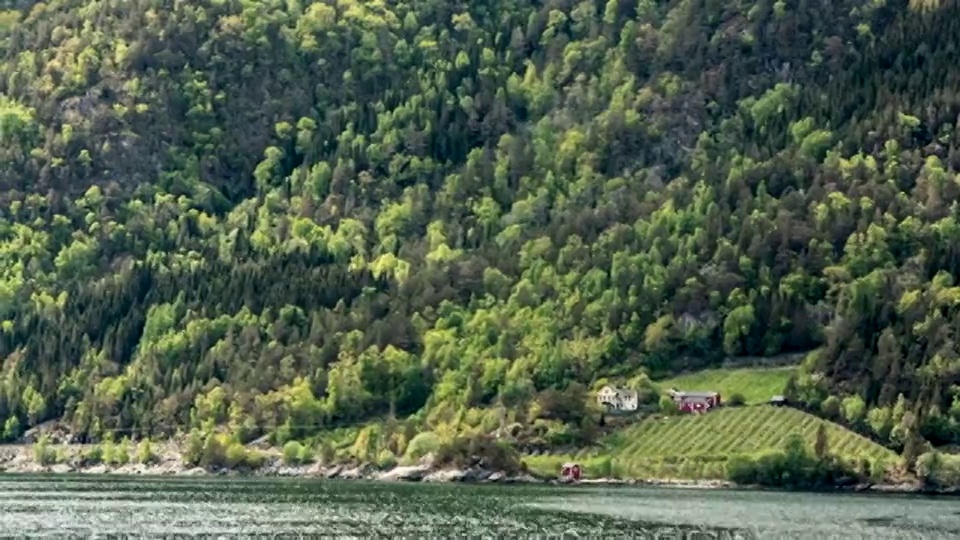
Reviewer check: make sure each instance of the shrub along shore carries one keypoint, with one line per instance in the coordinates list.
(465, 459)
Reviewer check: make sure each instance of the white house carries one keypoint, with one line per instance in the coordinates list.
(618, 399)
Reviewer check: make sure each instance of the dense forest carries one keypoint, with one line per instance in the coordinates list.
(292, 214)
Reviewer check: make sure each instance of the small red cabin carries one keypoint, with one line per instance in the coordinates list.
(570, 472)
(696, 401)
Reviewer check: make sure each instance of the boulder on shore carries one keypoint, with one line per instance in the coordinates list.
(356, 473)
(904, 487)
(445, 476)
(602, 481)
(498, 476)
(413, 473)
(478, 475)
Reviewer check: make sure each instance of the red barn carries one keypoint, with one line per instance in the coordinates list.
(695, 401)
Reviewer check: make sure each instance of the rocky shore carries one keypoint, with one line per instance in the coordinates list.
(19, 459)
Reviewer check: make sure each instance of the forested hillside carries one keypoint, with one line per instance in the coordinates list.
(264, 212)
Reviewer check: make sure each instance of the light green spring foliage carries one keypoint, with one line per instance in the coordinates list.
(215, 451)
(422, 445)
(44, 452)
(726, 432)
(662, 447)
(287, 216)
(295, 453)
(756, 385)
(145, 453)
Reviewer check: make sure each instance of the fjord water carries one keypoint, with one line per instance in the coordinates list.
(47, 506)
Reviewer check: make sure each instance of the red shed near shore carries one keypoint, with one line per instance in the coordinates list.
(570, 472)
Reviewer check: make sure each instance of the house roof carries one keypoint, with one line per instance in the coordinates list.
(679, 394)
(622, 392)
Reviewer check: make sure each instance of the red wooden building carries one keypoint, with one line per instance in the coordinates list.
(695, 401)
(570, 472)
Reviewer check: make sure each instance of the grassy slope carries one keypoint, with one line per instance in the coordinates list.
(756, 385)
(698, 446)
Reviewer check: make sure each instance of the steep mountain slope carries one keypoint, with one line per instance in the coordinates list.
(287, 213)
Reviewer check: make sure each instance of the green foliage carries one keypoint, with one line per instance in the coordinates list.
(756, 445)
(295, 453)
(43, 452)
(326, 453)
(145, 453)
(939, 470)
(291, 452)
(736, 400)
(656, 447)
(878, 470)
(821, 445)
(568, 405)
(386, 460)
(880, 420)
(12, 429)
(854, 409)
(667, 405)
(109, 452)
(122, 454)
(218, 451)
(34, 404)
(421, 445)
(93, 455)
(830, 408)
(549, 466)
(281, 218)
(793, 467)
(479, 451)
(193, 449)
(756, 385)
(367, 446)
(647, 392)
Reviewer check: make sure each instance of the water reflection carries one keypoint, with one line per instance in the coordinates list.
(192, 507)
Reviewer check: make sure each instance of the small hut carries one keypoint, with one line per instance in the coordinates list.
(570, 472)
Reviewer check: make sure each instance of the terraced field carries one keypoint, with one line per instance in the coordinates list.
(757, 385)
(698, 446)
(736, 431)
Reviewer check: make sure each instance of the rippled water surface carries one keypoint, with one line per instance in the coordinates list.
(107, 506)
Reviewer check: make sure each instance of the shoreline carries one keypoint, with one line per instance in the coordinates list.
(19, 460)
